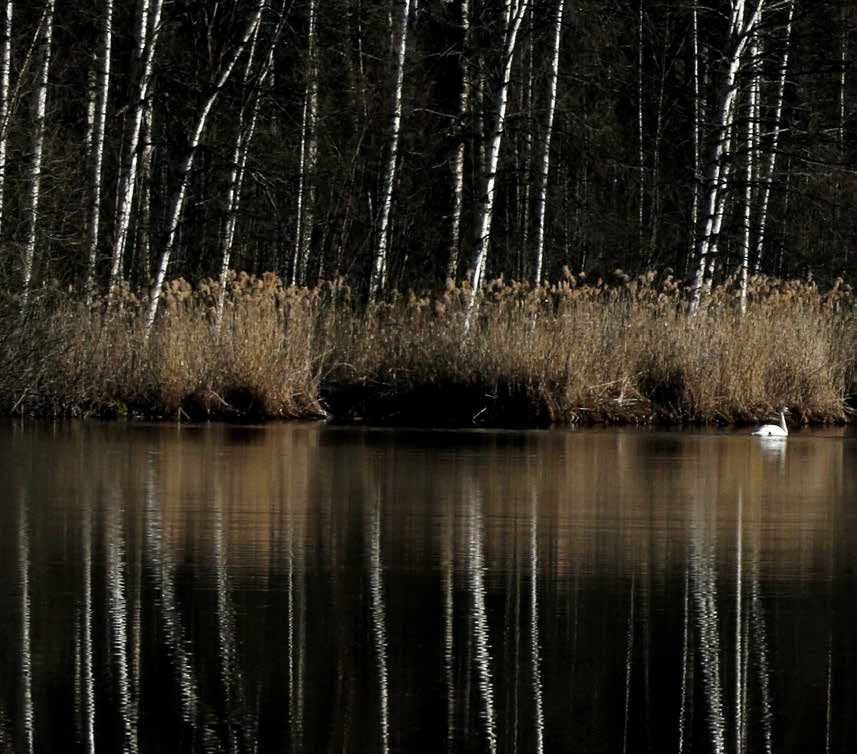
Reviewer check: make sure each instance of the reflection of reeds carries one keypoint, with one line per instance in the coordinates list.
(575, 351)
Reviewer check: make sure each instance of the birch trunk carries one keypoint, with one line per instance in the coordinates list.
(717, 174)
(5, 67)
(177, 203)
(458, 162)
(514, 12)
(750, 168)
(144, 220)
(697, 161)
(47, 26)
(147, 39)
(541, 201)
(775, 140)
(97, 153)
(379, 267)
(239, 163)
(525, 171)
(309, 156)
(640, 155)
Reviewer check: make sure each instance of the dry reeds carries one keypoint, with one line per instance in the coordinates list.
(577, 351)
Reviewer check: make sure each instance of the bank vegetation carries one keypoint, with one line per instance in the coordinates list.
(575, 352)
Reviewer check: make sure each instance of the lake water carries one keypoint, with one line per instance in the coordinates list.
(321, 589)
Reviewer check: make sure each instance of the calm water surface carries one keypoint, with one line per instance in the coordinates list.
(302, 588)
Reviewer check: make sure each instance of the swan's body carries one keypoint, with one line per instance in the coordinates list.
(774, 430)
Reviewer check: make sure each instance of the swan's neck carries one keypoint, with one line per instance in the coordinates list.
(783, 421)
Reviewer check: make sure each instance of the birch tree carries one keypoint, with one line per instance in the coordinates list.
(514, 12)
(309, 156)
(5, 66)
(640, 145)
(458, 160)
(178, 199)
(379, 266)
(545, 163)
(245, 132)
(775, 140)
(47, 25)
(750, 167)
(148, 33)
(697, 161)
(97, 148)
(145, 179)
(741, 24)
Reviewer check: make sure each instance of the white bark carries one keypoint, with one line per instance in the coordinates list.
(514, 12)
(177, 203)
(843, 69)
(236, 175)
(750, 168)
(775, 140)
(309, 156)
(524, 189)
(244, 137)
(5, 66)
(640, 155)
(458, 161)
(697, 177)
(379, 266)
(97, 153)
(38, 147)
(541, 201)
(144, 220)
(741, 26)
(148, 33)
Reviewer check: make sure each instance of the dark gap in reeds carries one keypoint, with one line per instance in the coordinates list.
(572, 352)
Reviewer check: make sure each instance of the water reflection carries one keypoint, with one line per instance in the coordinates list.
(341, 590)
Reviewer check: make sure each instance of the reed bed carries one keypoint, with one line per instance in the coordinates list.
(578, 351)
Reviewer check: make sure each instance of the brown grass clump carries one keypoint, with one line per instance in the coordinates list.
(66, 359)
(576, 351)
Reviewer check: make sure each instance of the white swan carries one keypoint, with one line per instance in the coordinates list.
(774, 430)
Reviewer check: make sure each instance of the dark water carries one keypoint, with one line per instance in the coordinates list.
(294, 588)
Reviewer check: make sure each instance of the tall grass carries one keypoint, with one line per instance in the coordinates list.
(576, 351)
